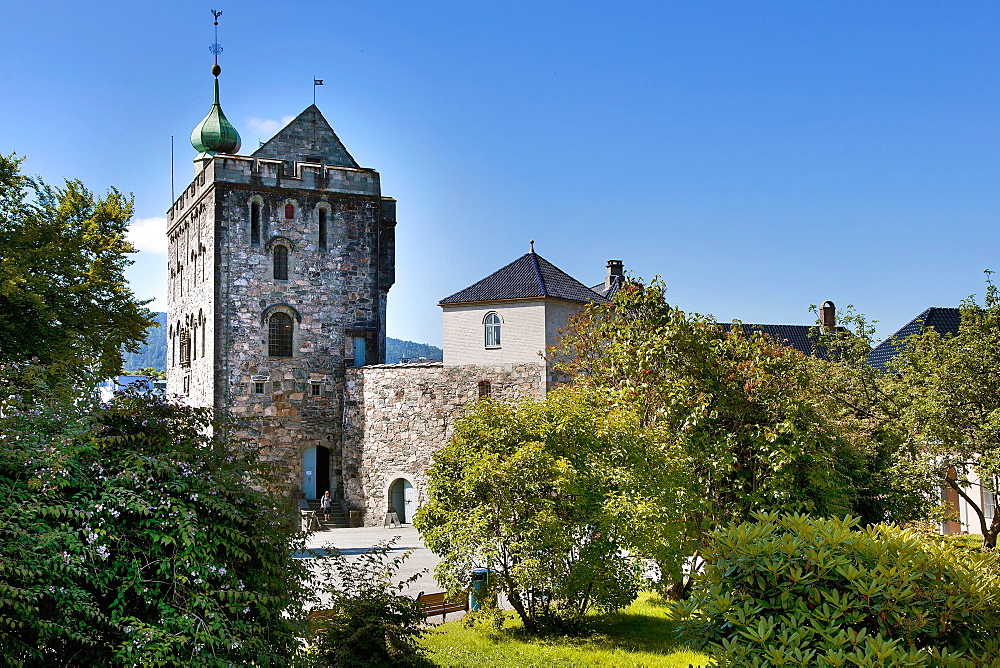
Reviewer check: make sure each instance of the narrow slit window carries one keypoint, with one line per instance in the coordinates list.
(322, 229)
(280, 263)
(255, 224)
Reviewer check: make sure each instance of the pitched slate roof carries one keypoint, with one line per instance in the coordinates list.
(308, 138)
(943, 320)
(608, 292)
(799, 337)
(529, 276)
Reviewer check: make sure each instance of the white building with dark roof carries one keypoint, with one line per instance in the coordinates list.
(512, 315)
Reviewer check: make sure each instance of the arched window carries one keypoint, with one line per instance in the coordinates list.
(280, 257)
(279, 335)
(322, 229)
(185, 347)
(289, 211)
(492, 324)
(255, 224)
(484, 389)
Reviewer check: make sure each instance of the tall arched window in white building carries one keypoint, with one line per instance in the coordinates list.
(492, 324)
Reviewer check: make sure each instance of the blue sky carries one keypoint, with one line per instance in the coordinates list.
(759, 156)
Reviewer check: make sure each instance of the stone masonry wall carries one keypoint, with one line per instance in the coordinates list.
(397, 416)
(331, 293)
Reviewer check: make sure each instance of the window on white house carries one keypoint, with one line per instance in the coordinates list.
(492, 324)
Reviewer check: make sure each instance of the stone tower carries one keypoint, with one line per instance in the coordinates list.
(280, 263)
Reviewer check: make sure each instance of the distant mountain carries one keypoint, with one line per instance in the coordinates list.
(154, 352)
(396, 350)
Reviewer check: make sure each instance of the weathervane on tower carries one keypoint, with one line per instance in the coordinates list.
(216, 48)
(215, 134)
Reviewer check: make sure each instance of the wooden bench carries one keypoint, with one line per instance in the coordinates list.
(439, 603)
(317, 618)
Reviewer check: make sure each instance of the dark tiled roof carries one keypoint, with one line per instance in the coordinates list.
(943, 320)
(527, 277)
(608, 292)
(799, 337)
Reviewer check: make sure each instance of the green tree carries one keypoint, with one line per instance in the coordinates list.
(949, 390)
(740, 408)
(542, 494)
(853, 396)
(130, 537)
(63, 292)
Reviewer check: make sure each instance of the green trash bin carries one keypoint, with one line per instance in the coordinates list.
(477, 592)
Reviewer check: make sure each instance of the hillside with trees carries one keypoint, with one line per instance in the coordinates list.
(153, 353)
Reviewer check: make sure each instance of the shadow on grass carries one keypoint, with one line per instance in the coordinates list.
(629, 630)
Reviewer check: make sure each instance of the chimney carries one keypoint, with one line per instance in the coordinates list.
(616, 273)
(828, 316)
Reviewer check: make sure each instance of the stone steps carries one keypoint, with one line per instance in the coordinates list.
(338, 519)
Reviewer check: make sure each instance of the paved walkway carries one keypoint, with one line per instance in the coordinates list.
(355, 541)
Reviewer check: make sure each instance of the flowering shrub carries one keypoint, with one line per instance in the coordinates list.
(131, 536)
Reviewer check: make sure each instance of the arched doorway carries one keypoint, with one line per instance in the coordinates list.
(402, 499)
(316, 471)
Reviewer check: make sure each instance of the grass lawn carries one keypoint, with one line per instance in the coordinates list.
(640, 635)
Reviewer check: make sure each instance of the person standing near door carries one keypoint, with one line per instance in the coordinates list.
(325, 503)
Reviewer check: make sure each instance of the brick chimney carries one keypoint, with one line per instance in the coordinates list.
(616, 273)
(828, 316)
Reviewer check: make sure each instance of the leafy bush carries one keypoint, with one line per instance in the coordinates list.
(369, 623)
(129, 536)
(795, 590)
(541, 493)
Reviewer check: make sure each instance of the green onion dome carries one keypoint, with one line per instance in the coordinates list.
(215, 134)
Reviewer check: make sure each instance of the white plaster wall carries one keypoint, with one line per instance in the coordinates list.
(557, 315)
(522, 334)
(969, 518)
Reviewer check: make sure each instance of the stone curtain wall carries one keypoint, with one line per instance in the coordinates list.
(397, 416)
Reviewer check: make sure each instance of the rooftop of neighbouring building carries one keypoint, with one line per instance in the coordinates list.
(944, 320)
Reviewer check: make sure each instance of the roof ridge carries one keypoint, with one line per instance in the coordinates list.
(538, 275)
